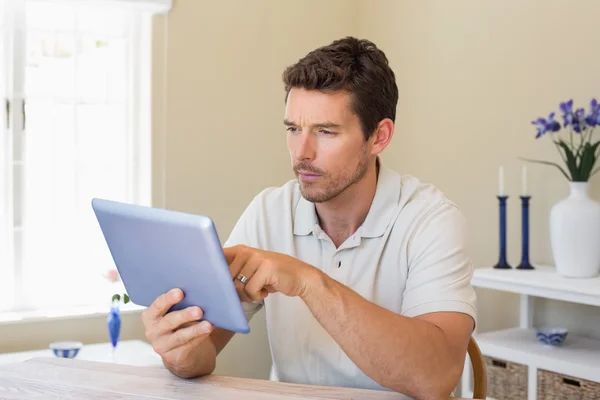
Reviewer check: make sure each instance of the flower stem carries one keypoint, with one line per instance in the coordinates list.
(558, 149)
(563, 157)
(571, 136)
(597, 151)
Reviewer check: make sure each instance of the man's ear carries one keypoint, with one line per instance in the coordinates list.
(382, 136)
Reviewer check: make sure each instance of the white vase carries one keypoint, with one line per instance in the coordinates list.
(575, 233)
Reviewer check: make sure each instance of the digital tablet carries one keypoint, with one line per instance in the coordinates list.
(156, 250)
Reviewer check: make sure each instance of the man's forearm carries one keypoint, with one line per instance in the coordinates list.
(202, 361)
(407, 355)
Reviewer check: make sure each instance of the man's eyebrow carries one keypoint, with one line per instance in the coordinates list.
(326, 124)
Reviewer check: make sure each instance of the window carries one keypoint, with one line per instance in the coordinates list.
(76, 79)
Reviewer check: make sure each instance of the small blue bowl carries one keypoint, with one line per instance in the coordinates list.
(66, 349)
(552, 336)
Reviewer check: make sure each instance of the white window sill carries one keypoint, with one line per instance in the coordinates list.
(12, 318)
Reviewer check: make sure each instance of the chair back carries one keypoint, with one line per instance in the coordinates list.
(479, 371)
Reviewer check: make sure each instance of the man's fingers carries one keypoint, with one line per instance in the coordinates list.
(233, 252)
(238, 262)
(230, 253)
(161, 305)
(241, 289)
(256, 288)
(239, 286)
(243, 261)
(182, 337)
(176, 319)
(185, 335)
(249, 269)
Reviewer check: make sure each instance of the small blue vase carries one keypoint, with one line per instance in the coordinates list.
(114, 325)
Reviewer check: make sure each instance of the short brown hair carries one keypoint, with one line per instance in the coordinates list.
(353, 65)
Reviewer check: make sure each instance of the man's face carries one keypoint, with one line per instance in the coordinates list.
(327, 147)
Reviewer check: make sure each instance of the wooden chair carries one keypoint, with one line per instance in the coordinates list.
(479, 372)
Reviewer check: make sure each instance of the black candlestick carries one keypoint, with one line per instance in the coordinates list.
(525, 264)
(502, 262)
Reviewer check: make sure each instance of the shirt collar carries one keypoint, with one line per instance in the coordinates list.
(384, 205)
(305, 217)
(379, 217)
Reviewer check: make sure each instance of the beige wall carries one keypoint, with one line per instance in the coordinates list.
(472, 75)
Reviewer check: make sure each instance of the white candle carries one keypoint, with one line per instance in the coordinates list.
(501, 181)
(524, 180)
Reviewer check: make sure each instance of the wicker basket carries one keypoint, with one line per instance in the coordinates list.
(553, 386)
(505, 380)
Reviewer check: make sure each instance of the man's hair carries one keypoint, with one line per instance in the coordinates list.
(353, 65)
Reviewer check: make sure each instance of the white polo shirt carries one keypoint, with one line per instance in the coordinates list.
(409, 256)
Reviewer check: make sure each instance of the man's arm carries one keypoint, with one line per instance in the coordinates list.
(420, 352)
(422, 357)
(204, 357)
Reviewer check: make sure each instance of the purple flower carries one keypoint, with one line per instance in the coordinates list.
(579, 123)
(540, 124)
(593, 118)
(567, 112)
(546, 125)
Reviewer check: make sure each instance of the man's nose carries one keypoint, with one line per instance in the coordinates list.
(304, 148)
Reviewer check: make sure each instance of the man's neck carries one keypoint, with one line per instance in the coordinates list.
(343, 215)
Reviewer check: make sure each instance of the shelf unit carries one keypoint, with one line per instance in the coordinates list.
(577, 356)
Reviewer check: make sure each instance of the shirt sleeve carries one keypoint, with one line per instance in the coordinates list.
(439, 266)
(245, 232)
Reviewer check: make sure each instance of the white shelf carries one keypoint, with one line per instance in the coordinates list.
(543, 281)
(577, 356)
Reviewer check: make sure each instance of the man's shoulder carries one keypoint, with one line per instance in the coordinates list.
(420, 200)
(427, 217)
(417, 193)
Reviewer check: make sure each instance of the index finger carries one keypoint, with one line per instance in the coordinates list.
(230, 253)
(163, 303)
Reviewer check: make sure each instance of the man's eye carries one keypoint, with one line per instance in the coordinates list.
(326, 132)
(292, 129)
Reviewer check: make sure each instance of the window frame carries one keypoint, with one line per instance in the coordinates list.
(12, 87)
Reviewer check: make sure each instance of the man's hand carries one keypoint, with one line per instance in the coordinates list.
(175, 336)
(267, 272)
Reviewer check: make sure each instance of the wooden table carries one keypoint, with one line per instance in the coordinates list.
(55, 378)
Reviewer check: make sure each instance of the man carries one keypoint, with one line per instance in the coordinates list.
(364, 273)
